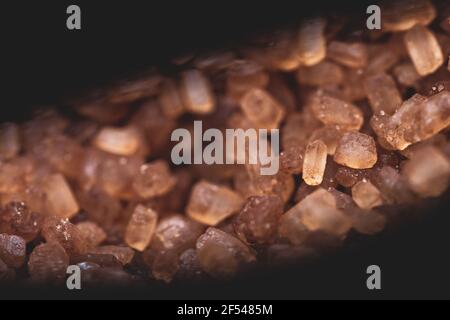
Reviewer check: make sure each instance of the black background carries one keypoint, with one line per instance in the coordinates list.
(43, 62)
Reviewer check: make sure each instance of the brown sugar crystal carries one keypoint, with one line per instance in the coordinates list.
(119, 141)
(406, 74)
(417, 119)
(321, 74)
(222, 255)
(318, 212)
(291, 159)
(366, 195)
(424, 50)
(330, 135)
(311, 46)
(427, 178)
(93, 234)
(123, 254)
(60, 200)
(243, 75)
(352, 55)
(211, 204)
(170, 99)
(48, 263)
(383, 93)
(402, 15)
(17, 219)
(65, 233)
(12, 250)
(333, 111)
(314, 163)
(257, 222)
(174, 234)
(261, 109)
(153, 179)
(356, 150)
(141, 227)
(196, 92)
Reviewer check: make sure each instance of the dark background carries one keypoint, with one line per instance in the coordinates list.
(43, 62)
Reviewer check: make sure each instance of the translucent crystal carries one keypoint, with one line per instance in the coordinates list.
(417, 119)
(115, 174)
(251, 183)
(383, 93)
(393, 186)
(17, 219)
(174, 235)
(318, 212)
(119, 141)
(190, 269)
(141, 228)
(92, 233)
(330, 135)
(48, 263)
(315, 162)
(222, 255)
(243, 75)
(99, 206)
(291, 160)
(12, 178)
(352, 55)
(311, 46)
(356, 150)
(424, 50)
(211, 204)
(333, 111)
(366, 195)
(46, 123)
(404, 14)
(406, 74)
(121, 253)
(12, 250)
(62, 152)
(156, 127)
(381, 59)
(196, 92)
(258, 220)
(65, 233)
(170, 100)
(438, 141)
(427, 172)
(348, 177)
(298, 129)
(368, 222)
(10, 140)
(60, 200)
(321, 74)
(154, 179)
(353, 86)
(261, 109)
(292, 228)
